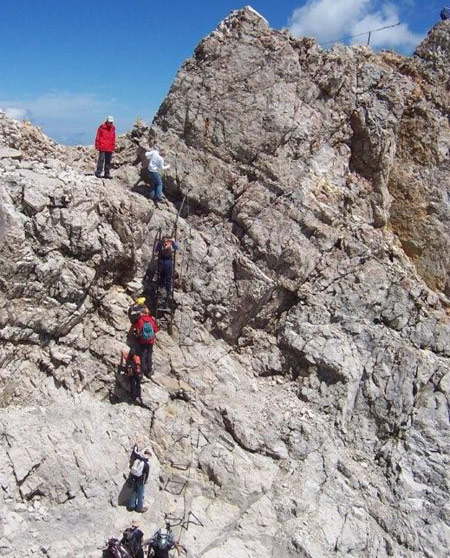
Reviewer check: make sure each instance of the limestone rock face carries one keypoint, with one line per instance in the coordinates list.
(299, 405)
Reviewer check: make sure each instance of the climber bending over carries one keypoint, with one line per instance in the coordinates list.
(156, 163)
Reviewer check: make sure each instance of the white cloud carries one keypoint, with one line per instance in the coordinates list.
(328, 20)
(68, 117)
(398, 37)
(16, 113)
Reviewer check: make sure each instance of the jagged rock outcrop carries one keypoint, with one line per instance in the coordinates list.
(300, 406)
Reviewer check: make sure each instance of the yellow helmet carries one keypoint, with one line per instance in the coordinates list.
(140, 301)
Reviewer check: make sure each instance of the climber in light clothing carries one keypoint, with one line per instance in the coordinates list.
(156, 162)
(139, 472)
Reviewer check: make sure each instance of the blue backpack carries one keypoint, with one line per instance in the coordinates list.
(147, 332)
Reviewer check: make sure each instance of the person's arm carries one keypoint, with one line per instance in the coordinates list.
(158, 246)
(146, 472)
(134, 452)
(175, 246)
(114, 139)
(161, 164)
(97, 139)
(154, 324)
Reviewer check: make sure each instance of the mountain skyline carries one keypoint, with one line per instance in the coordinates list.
(66, 69)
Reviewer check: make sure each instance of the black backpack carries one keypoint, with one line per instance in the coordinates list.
(115, 549)
(132, 540)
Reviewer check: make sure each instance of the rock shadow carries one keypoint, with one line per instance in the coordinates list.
(121, 392)
(142, 189)
(125, 492)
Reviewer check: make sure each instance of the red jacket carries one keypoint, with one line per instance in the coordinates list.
(138, 328)
(105, 139)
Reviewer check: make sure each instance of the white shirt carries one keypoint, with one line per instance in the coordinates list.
(155, 161)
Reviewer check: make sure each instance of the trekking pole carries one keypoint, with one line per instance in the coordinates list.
(158, 270)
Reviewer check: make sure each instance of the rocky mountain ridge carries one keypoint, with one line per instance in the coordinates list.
(300, 406)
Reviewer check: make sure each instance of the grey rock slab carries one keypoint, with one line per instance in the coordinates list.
(10, 153)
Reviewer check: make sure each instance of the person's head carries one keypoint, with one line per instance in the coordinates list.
(145, 310)
(109, 121)
(163, 535)
(147, 452)
(162, 152)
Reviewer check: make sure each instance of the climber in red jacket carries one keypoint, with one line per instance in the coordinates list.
(145, 330)
(105, 143)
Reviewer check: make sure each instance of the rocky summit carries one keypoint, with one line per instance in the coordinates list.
(299, 405)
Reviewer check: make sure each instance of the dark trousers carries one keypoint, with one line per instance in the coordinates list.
(135, 386)
(146, 354)
(104, 160)
(166, 274)
(134, 374)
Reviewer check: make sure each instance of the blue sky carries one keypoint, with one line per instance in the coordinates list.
(67, 64)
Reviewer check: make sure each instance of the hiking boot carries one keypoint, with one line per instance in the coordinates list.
(98, 174)
(143, 510)
(108, 176)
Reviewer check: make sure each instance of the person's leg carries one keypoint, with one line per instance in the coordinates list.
(137, 384)
(152, 176)
(168, 277)
(140, 497)
(143, 355)
(133, 497)
(149, 363)
(159, 187)
(108, 157)
(100, 163)
(133, 386)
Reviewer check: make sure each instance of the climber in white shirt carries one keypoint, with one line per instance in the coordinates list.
(156, 162)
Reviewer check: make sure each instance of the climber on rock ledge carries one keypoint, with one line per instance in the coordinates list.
(105, 143)
(156, 162)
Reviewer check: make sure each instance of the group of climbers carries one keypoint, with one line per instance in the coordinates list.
(138, 360)
(105, 144)
(142, 335)
(132, 544)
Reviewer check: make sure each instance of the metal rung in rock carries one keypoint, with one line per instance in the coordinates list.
(181, 466)
(171, 490)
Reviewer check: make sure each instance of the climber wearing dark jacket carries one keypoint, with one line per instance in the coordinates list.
(165, 249)
(139, 472)
(105, 143)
